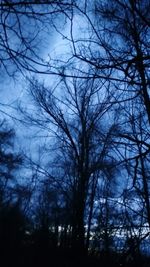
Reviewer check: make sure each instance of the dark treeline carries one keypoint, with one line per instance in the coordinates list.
(82, 198)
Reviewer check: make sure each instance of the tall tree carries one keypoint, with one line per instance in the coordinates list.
(76, 118)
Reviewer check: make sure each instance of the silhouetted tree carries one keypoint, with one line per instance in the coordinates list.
(76, 118)
(23, 25)
(9, 162)
(12, 219)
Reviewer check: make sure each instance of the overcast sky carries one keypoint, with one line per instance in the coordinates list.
(14, 92)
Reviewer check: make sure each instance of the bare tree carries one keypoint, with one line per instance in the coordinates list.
(25, 24)
(76, 118)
